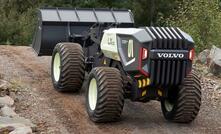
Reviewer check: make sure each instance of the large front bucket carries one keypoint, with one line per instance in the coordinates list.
(59, 24)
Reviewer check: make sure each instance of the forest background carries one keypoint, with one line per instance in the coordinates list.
(200, 18)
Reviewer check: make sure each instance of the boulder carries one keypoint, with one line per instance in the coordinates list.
(22, 130)
(16, 120)
(16, 128)
(8, 111)
(6, 100)
(6, 129)
(218, 88)
(215, 61)
(4, 87)
(4, 84)
(203, 57)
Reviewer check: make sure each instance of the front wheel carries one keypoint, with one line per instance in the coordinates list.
(183, 104)
(104, 95)
(67, 67)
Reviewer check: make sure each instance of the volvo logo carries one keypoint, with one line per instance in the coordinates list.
(170, 55)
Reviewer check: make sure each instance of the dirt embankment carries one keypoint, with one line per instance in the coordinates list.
(57, 113)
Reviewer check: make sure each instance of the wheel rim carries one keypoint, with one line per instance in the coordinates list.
(92, 94)
(56, 67)
(168, 105)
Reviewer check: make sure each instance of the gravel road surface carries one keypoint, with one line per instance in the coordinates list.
(59, 113)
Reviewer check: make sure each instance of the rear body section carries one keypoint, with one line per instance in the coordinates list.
(158, 53)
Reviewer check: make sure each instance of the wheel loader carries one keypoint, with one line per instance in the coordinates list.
(120, 60)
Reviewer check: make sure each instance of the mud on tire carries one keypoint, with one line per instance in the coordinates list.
(70, 76)
(185, 103)
(109, 98)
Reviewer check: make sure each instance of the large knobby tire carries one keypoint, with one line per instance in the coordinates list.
(183, 104)
(104, 95)
(67, 67)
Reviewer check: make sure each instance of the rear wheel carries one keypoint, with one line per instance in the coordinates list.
(104, 96)
(183, 103)
(67, 68)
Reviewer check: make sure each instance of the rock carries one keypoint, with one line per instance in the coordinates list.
(6, 100)
(14, 96)
(203, 57)
(16, 120)
(8, 111)
(204, 72)
(4, 88)
(16, 128)
(22, 130)
(218, 88)
(215, 69)
(215, 63)
(4, 85)
(209, 75)
(6, 130)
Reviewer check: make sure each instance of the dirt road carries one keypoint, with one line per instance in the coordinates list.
(57, 113)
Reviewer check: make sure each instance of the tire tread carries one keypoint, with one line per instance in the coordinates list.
(72, 67)
(110, 95)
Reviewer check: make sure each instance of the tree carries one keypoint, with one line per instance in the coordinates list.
(200, 18)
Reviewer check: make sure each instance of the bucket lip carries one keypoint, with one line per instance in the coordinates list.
(78, 8)
(44, 16)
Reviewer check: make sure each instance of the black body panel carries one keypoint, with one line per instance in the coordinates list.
(169, 71)
(168, 55)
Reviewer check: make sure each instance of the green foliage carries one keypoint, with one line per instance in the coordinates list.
(147, 12)
(18, 17)
(200, 18)
(17, 22)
